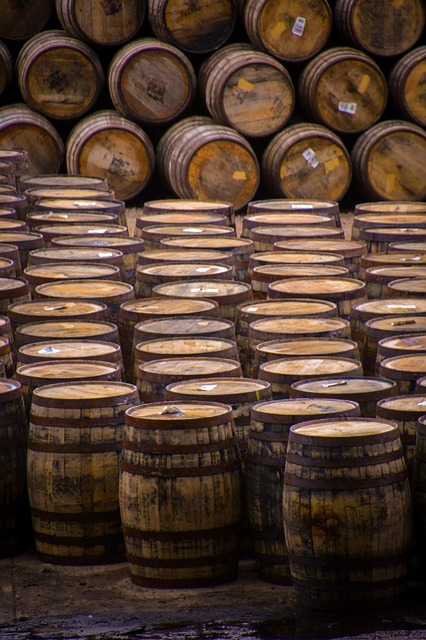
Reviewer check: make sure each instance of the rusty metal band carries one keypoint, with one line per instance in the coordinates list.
(81, 541)
(364, 585)
(180, 472)
(180, 448)
(13, 443)
(268, 436)
(341, 484)
(77, 423)
(182, 563)
(177, 583)
(265, 462)
(167, 536)
(99, 447)
(81, 518)
(342, 463)
(348, 563)
(80, 561)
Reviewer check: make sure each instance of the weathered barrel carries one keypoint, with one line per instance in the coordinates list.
(378, 239)
(13, 291)
(349, 249)
(332, 466)
(75, 438)
(265, 276)
(189, 450)
(404, 370)
(54, 309)
(49, 232)
(62, 181)
(152, 235)
(70, 206)
(83, 255)
(398, 345)
(405, 85)
(383, 221)
(380, 281)
(265, 238)
(165, 257)
(186, 205)
(387, 328)
(19, 21)
(290, 259)
(32, 332)
(106, 144)
(148, 277)
(409, 247)
(44, 273)
(405, 287)
(418, 483)
(189, 219)
(7, 268)
(26, 241)
(252, 221)
(393, 259)
(70, 194)
(6, 69)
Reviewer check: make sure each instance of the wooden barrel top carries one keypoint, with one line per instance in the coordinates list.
(64, 349)
(176, 270)
(271, 219)
(152, 307)
(288, 205)
(346, 248)
(230, 390)
(225, 290)
(389, 306)
(73, 330)
(9, 390)
(160, 256)
(180, 218)
(122, 243)
(69, 193)
(82, 254)
(415, 285)
(411, 247)
(378, 327)
(306, 367)
(65, 370)
(186, 326)
(184, 347)
(416, 342)
(54, 307)
(41, 218)
(400, 407)
(294, 257)
(411, 363)
(63, 181)
(297, 326)
(281, 271)
(333, 287)
(386, 274)
(366, 220)
(188, 367)
(389, 207)
(302, 347)
(70, 271)
(186, 205)
(232, 245)
(343, 428)
(166, 413)
(91, 392)
(294, 307)
(278, 233)
(392, 234)
(405, 259)
(80, 204)
(13, 287)
(284, 411)
(357, 388)
(85, 289)
(157, 232)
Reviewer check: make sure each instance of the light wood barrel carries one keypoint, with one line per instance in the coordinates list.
(18, 158)
(20, 21)
(23, 128)
(73, 205)
(264, 475)
(418, 484)
(383, 221)
(54, 309)
(147, 277)
(152, 235)
(380, 29)
(247, 90)
(384, 328)
(7, 268)
(6, 330)
(421, 384)
(59, 76)
(404, 287)
(13, 291)
(265, 237)
(404, 370)
(411, 247)
(198, 158)
(181, 326)
(327, 467)
(349, 249)
(297, 205)
(306, 161)
(378, 239)
(59, 218)
(388, 161)
(193, 540)
(293, 32)
(83, 255)
(55, 231)
(378, 280)
(154, 376)
(79, 525)
(183, 256)
(106, 144)
(73, 196)
(266, 275)
(190, 219)
(62, 181)
(186, 205)
(151, 82)
(15, 522)
(293, 258)
(6, 69)
(405, 85)
(7, 358)
(106, 23)
(393, 260)
(44, 273)
(252, 221)
(31, 332)
(196, 29)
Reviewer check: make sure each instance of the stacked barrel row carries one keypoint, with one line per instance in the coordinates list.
(225, 102)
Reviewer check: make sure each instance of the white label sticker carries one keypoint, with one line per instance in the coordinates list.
(302, 206)
(48, 350)
(422, 403)
(98, 231)
(192, 230)
(207, 387)
(252, 309)
(347, 107)
(401, 306)
(202, 269)
(299, 26)
(105, 254)
(311, 158)
(52, 214)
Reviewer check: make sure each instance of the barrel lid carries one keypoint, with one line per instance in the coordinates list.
(188, 367)
(402, 258)
(69, 193)
(297, 326)
(167, 306)
(71, 329)
(16, 286)
(79, 229)
(63, 181)
(94, 393)
(167, 256)
(79, 204)
(388, 306)
(184, 347)
(72, 349)
(412, 363)
(414, 286)
(296, 257)
(232, 390)
(22, 239)
(399, 407)
(180, 218)
(53, 306)
(186, 205)
(125, 244)
(4, 320)
(187, 326)
(339, 286)
(386, 206)
(225, 290)
(286, 410)
(75, 254)
(389, 324)
(84, 289)
(271, 219)
(9, 389)
(273, 234)
(343, 428)
(287, 204)
(7, 224)
(184, 270)
(356, 388)
(171, 230)
(314, 366)
(66, 370)
(302, 347)
(70, 217)
(395, 271)
(165, 414)
(411, 247)
(392, 234)
(416, 342)
(233, 245)
(267, 272)
(288, 307)
(70, 270)
(346, 248)
(391, 220)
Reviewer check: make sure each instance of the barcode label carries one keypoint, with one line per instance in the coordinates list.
(347, 107)
(299, 27)
(311, 157)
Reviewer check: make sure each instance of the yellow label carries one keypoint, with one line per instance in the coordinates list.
(239, 175)
(331, 164)
(390, 182)
(245, 85)
(277, 30)
(364, 83)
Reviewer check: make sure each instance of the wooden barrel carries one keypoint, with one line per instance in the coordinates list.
(334, 465)
(17, 201)
(392, 260)
(378, 280)
(54, 309)
(186, 205)
(39, 374)
(59, 76)
(44, 273)
(366, 391)
(76, 521)
(6, 69)
(252, 221)
(151, 82)
(398, 345)
(378, 239)
(183, 256)
(129, 247)
(88, 256)
(404, 287)
(191, 219)
(264, 475)
(26, 241)
(388, 161)
(49, 232)
(7, 358)
(343, 89)
(60, 218)
(298, 205)
(9, 225)
(248, 312)
(267, 275)
(154, 376)
(19, 21)
(192, 540)
(15, 516)
(383, 221)
(147, 277)
(265, 237)
(405, 411)
(22, 128)
(7, 268)
(302, 348)
(69, 196)
(73, 206)
(106, 23)
(247, 90)
(200, 159)
(344, 292)
(62, 181)
(240, 248)
(109, 292)
(180, 326)
(32, 332)
(293, 258)
(349, 249)
(196, 29)
(281, 373)
(410, 247)
(383, 29)
(404, 371)
(384, 328)
(227, 293)
(18, 158)
(418, 484)
(294, 34)
(420, 384)
(6, 331)
(13, 291)
(106, 144)
(405, 85)
(152, 235)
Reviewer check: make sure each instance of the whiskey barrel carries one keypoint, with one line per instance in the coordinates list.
(383, 221)
(388, 161)
(405, 85)
(151, 82)
(13, 291)
(414, 286)
(366, 391)
(264, 475)
(333, 465)
(32, 332)
(349, 249)
(72, 205)
(247, 90)
(293, 258)
(410, 247)
(76, 522)
(68, 193)
(189, 219)
(147, 277)
(107, 23)
(185, 205)
(378, 280)
(180, 326)
(252, 221)
(6, 69)
(297, 205)
(202, 256)
(393, 260)
(418, 484)
(54, 309)
(7, 268)
(62, 181)
(85, 255)
(153, 234)
(191, 541)
(59, 76)
(404, 370)
(22, 128)
(54, 231)
(378, 239)
(420, 384)
(385, 328)
(343, 89)
(381, 29)
(19, 21)
(19, 158)
(200, 159)
(267, 275)
(59, 218)
(106, 144)
(293, 32)
(265, 237)
(194, 28)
